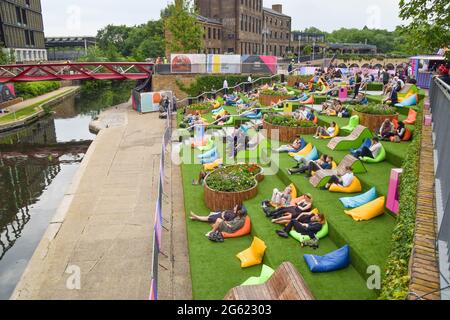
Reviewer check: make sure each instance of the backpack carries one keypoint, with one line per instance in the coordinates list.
(216, 236)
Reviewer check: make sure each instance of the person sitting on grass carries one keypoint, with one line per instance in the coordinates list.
(344, 180)
(400, 133)
(387, 130)
(307, 225)
(228, 221)
(324, 163)
(372, 152)
(294, 147)
(326, 132)
(304, 205)
(279, 199)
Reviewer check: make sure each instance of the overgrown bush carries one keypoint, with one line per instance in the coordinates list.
(200, 106)
(28, 90)
(376, 109)
(274, 93)
(375, 86)
(215, 82)
(396, 278)
(286, 121)
(237, 178)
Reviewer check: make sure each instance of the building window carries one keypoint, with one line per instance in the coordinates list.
(209, 33)
(214, 33)
(24, 17)
(18, 15)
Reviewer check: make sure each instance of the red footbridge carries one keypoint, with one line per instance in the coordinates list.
(76, 71)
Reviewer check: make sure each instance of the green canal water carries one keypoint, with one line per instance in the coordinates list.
(37, 164)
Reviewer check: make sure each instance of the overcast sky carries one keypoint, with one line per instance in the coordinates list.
(85, 17)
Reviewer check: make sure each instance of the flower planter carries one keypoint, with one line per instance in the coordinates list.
(373, 121)
(268, 100)
(220, 200)
(287, 134)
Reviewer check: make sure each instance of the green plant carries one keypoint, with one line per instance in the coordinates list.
(28, 90)
(236, 178)
(376, 109)
(285, 121)
(274, 93)
(375, 86)
(396, 278)
(200, 106)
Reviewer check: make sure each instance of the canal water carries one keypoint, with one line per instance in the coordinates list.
(37, 163)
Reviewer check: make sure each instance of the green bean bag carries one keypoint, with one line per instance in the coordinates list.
(381, 157)
(353, 123)
(302, 238)
(230, 121)
(208, 146)
(266, 273)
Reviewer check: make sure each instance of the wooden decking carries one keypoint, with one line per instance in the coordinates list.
(424, 265)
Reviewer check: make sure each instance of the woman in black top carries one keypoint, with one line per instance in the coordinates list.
(310, 229)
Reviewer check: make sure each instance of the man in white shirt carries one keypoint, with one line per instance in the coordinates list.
(344, 181)
(372, 152)
(225, 86)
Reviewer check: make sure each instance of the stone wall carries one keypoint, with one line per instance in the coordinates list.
(169, 82)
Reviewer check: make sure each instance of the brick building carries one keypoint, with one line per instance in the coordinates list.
(245, 27)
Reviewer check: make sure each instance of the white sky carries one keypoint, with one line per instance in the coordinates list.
(85, 17)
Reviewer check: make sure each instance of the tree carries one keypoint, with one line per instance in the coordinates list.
(307, 50)
(429, 24)
(185, 33)
(5, 56)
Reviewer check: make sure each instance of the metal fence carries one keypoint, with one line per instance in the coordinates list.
(440, 106)
(158, 227)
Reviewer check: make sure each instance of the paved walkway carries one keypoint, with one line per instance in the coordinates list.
(29, 102)
(104, 225)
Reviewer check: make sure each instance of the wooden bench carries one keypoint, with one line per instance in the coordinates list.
(358, 135)
(348, 161)
(285, 284)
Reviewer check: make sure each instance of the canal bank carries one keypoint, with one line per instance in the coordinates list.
(103, 226)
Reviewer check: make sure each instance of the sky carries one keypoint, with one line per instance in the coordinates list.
(85, 17)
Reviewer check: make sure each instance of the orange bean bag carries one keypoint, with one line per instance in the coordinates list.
(408, 135)
(245, 230)
(412, 117)
(355, 187)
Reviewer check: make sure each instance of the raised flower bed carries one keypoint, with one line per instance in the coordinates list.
(268, 97)
(373, 116)
(288, 128)
(232, 185)
(201, 108)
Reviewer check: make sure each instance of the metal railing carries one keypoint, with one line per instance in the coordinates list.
(158, 226)
(440, 107)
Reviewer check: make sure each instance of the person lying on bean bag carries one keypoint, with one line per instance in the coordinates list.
(344, 181)
(279, 199)
(296, 146)
(372, 152)
(326, 132)
(307, 225)
(228, 221)
(285, 214)
(324, 163)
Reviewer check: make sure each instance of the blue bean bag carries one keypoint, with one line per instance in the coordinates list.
(217, 111)
(337, 260)
(253, 116)
(208, 154)
(211, 159)
(361, 200)
(312, 156)
(409, 102)
(367, 143)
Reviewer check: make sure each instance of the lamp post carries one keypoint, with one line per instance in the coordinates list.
(314, 49)
(299, 47)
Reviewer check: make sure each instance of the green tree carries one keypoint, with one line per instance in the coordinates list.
(429, 24)
(5, 57)
(307, 50)
(185, 32)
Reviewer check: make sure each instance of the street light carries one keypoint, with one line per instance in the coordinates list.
(299, 47)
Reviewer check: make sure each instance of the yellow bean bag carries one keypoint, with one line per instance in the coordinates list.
(253, 255)
(355, 187)
(293, 195)
(304, 152)
(336, 133)
(369, 211)
(216, 105)
(213, 165)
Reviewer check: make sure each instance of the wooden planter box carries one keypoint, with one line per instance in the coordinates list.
(373, 121)
(287, 134)
(194, 112)
(268, 100)
(219, 201)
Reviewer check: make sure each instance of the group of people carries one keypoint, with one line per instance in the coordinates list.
(389, 132)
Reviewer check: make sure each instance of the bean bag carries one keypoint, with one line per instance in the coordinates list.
(361, 200)
(412, 117)
(213, 165)
(336, 133)
(245, 230)
(216, 105)
(411, 101)
(253, 116)
(197, 144)
(266, 274)
(207, 154)
(353, 123)
(408, 135)
(310, 100)
(230, 121)
(207, 147)
(337, 260)
(367, 143)
(253, 255)
(211, 159)
(304, 152)
(319, 235)
(293, 196)
(312, 156)
(215, 112)
(316, 120)
(381, 157)
(368, 211)
(355, 187)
